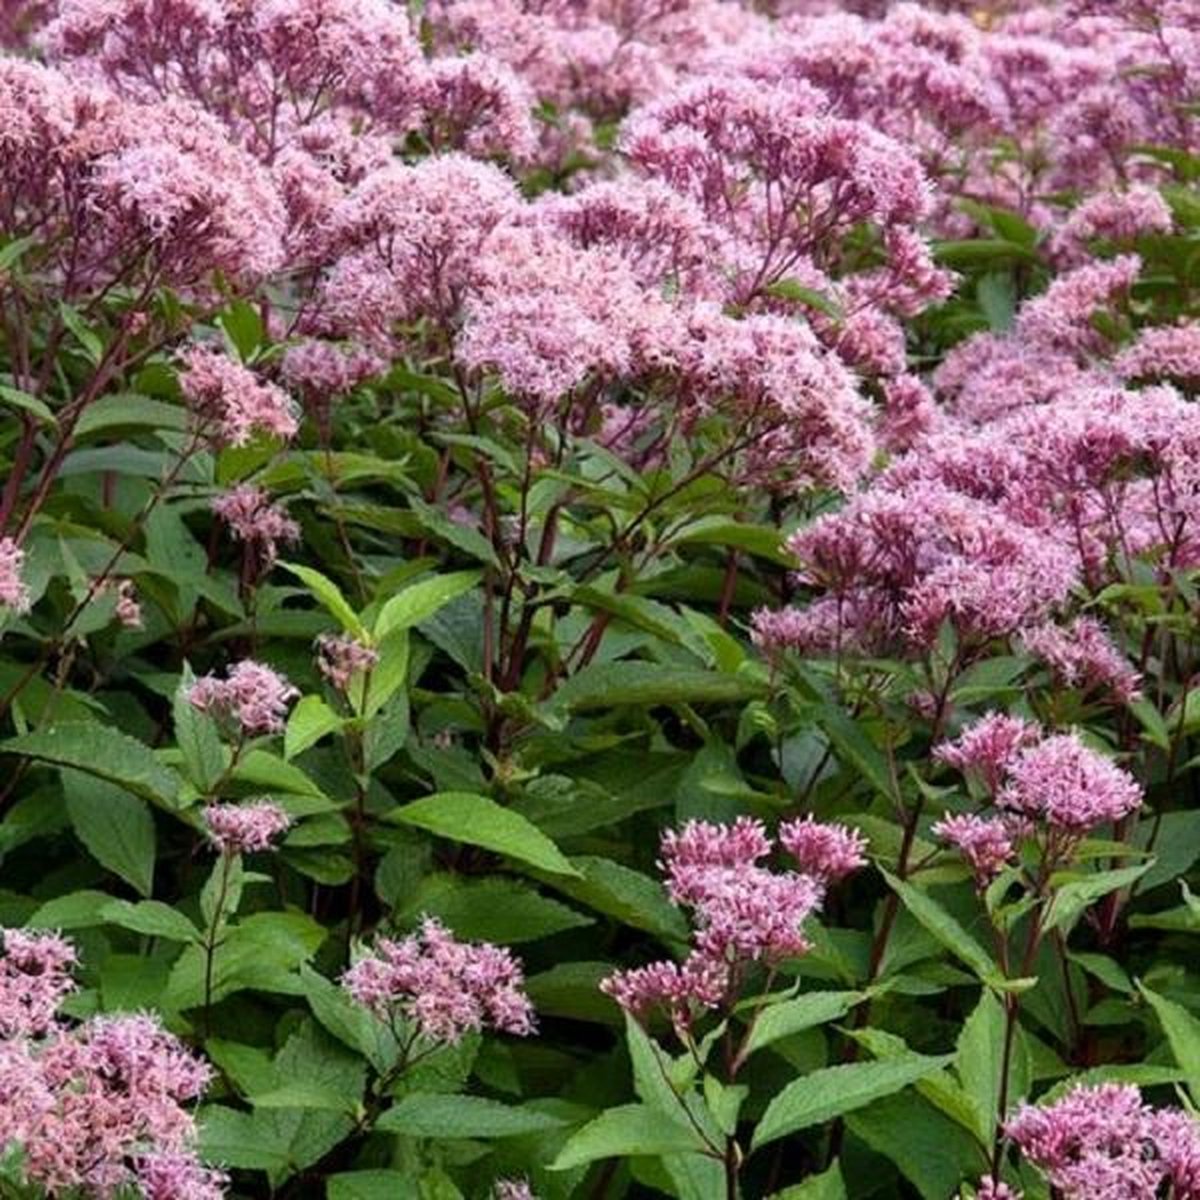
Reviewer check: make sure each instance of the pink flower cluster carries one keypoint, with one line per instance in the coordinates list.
(1051, 787)
(252, 696)
(245, 828)
(442, 987)
(13, 592)
(35, 976)
(341, 658)
(229, 402)
(98, 1108)
(1083, 655)
(1106, 1142)
(257, 523)
(743, 912)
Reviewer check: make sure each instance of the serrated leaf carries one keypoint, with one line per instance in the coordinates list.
(330, 596)
(100, 751)
(944, 927)
(828, 1093)
(308, 723)
(1183, 1036)
(632, 1130)
(114, 825)
(434, 1115)
(786, 1017)
(150, 917)
(419, 601)
(479, 821)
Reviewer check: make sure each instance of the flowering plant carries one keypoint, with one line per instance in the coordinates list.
(599, 599)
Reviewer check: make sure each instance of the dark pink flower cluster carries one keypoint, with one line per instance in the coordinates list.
(341, 658)
(1053, 788)
(99, 1108)
(252, 696)
(257, 523)
(442, 987)
(743, 912)
(1082, 655)
(245, 828)
(1105, 1142)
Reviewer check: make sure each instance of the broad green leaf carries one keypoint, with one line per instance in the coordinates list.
(645, 684)
(508, 911)
(933, 1153)
(101, 751)
(115, 826)
(420, 600)
(330, 596)
(308, 723)
(388, 675)
(479, 821)
(76, 910)
(979, 1063)
(368, 1185)
(631, 1130)
(786, 1017)
(828, 1093)
(433, 1115)
(197, 738)
(826, 1186)
(625, 894)
(24, 402)
(1072, 900)
(944, 927)
(1183, 1035)
(853, 745)
(150, 917)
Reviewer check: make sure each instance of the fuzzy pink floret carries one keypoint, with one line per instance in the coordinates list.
(444, 987)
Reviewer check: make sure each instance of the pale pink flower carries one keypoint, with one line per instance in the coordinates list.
(13, 592)
(1061, 781)
(178, 1175)
(229, 402)
(444, 987)
(1083, 655)
(256, 522)
(245, 828)
(252, 695)
(129, 608)
(827, 852)
(989, 1189)
(35, 976)
(1119, 217)
(512, 1189)
(1061, 317)
(1164, 352)
(343, 657)
(1104, 1142)
(986, 843)
(987, 747)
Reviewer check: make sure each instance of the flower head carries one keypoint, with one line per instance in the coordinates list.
(245, 828)
(13, 592)
(35, 976)
(827, 852)
(444, 987)
(986, 843)
(230, 402)
(252, 695)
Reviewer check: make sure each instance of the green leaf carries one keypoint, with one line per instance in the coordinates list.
(308, 723)
(434, 1115)
(787, 1017)
(23, 401)
(625, 894)
(478, 821)
(1183, 1036)
(832, 1091)
(979, 1063)
(492, 910)
(115, 826)
(368, 1185)
(150, 917)
(197, 737)
(632, 1130)
(330, 595)
(852, 743)
(645, 684)
(100, 751)
(826, 1186)
(420, 600)
(794, 290)
(944, 927)
(1073, 899)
